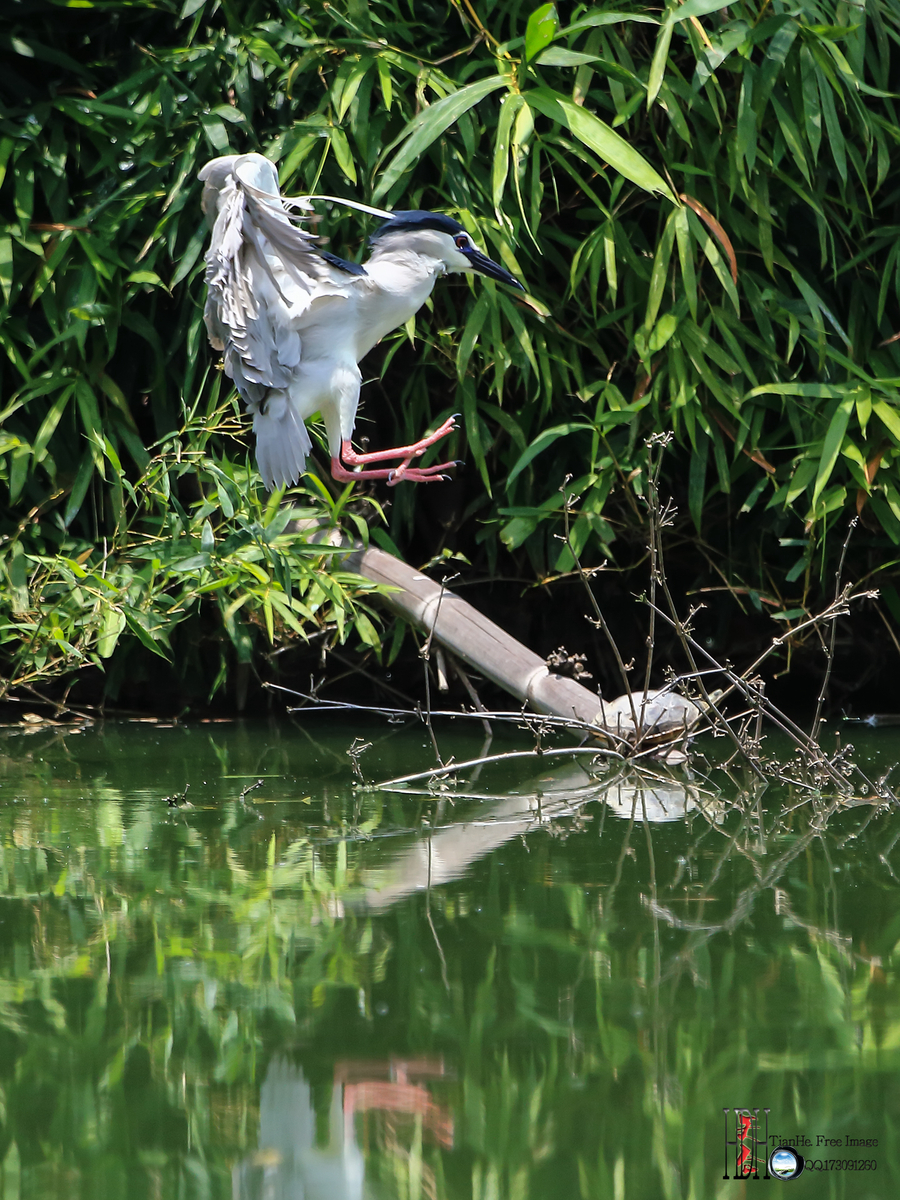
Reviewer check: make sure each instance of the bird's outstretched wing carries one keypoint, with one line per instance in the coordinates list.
(262, 274)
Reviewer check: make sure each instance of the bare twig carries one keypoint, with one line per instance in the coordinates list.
(653, 511)
(682, 630)
(357, 748)
(425, 655)
(599, 619)
(467, 683)
(520, 717)
(829, 653)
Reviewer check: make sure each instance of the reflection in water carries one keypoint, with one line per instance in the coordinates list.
(445, 855)
(289, 1164)
(294, 1162)
(549, 987)
(659, 797)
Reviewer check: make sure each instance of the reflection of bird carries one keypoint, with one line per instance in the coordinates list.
(294, 320)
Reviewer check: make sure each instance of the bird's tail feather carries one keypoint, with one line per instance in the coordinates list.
(282, 441)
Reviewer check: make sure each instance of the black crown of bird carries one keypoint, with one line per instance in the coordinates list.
(293, 320)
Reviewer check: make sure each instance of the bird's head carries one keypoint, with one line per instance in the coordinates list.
(437, 236)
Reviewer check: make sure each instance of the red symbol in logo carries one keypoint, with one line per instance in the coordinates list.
(747, 1142)
(746, 1124)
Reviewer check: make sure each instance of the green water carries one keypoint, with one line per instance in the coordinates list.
(516, 988)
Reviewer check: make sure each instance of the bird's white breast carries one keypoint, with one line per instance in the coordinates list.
(397, 286)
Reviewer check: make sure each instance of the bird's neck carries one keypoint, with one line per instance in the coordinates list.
(401, 282)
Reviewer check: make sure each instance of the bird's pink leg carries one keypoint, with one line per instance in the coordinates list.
(403, 471)
(349, 455)
(393, 475)
(340, 472)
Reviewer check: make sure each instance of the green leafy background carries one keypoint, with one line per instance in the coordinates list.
(701, 200)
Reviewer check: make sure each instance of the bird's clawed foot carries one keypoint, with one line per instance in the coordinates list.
(420, 474)
(395, 475)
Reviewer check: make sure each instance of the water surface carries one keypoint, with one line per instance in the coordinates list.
(532, 983)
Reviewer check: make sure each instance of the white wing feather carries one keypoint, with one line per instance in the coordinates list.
(262, 273)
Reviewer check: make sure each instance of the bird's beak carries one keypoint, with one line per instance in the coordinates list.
(486, 266)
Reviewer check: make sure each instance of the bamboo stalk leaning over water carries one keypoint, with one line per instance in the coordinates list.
(475, 639)
(471, 638)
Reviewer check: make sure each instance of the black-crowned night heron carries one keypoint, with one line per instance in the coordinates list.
(294, 320)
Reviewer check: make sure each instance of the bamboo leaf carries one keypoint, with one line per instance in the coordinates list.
(715, 260)
(541, 29)
(473, 432)
(609, 257)
(747, 129)
(889, 417)
(832, 445)
(812, 107)
(686, 259)
(718, 232)
(689, 11)
(556, 56)
(660, 270)
(387, 85)
(111, 628)
(595, 20)
(428, 126)
(599, 138)
(6, 267)
(658, 62)
(791, 136)
(697, 482)
(351, 83)
(542, 442)
(696, 8)
(342, 153)
(832, 125)
(138, 624)
(820, 391)
(50, 422)
(508, 111)
(18, 580)
(471, 333)
(662, 332)
(79, 487)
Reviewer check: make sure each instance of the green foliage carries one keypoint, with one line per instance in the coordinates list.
(266, 569)
(700, 202)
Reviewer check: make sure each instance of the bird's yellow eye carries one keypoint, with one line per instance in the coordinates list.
(462, 241)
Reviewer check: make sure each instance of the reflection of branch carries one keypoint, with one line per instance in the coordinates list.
(883, 856)
(843, 944)
(437, 940)
(449, 768)
(768, 876)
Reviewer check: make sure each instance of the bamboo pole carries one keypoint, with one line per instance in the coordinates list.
(454, 624)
